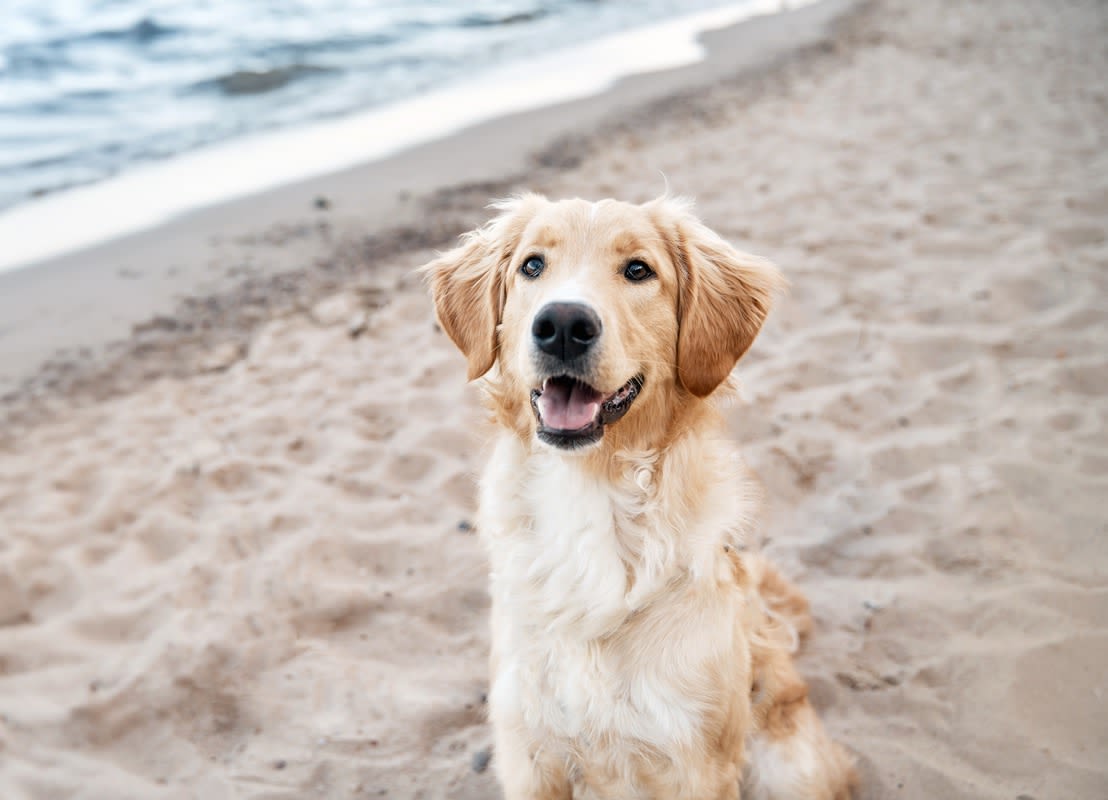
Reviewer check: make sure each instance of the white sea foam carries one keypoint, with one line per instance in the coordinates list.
(151, 194)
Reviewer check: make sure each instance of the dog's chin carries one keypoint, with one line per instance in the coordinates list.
(572, 415)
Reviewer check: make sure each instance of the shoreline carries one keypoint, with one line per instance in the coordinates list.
(155, 193)
(61, 314)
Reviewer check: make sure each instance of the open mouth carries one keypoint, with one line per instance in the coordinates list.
(573, 414)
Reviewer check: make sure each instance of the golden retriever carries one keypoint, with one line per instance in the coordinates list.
(638, 650)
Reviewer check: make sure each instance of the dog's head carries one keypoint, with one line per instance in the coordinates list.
(599, 316)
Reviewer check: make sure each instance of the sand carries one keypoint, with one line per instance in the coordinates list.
(236, 558)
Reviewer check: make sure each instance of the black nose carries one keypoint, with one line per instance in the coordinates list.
(565, 330)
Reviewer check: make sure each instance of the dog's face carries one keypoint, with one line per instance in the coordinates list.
(589, 319)
(600, 316)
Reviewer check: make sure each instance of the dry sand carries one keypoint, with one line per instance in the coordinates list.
(253, 577)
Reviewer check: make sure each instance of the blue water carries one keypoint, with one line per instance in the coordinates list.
(91, 87)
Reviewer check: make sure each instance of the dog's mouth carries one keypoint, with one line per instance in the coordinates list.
(573, 414)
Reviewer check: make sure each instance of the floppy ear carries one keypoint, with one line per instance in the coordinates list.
(467, 283)
(725, 296)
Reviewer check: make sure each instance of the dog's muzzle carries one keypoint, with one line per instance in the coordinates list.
(571, 412)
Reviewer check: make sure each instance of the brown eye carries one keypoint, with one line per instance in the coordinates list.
(533, 266)
(637, 271)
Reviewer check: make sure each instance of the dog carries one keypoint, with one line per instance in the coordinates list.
(639, 650)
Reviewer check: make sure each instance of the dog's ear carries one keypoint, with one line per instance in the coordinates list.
(467, 283)
(725, 296)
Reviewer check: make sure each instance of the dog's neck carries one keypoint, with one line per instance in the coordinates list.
(594, 537)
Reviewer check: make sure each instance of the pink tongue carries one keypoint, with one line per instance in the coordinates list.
(566, 408)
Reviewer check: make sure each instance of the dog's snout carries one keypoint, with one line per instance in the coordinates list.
(565, 330)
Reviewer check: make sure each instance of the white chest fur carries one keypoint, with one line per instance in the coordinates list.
(599, 627)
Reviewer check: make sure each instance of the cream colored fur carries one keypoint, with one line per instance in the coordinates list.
(638, 650)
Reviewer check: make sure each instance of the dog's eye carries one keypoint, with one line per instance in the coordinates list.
(532, 267)
(637, 271)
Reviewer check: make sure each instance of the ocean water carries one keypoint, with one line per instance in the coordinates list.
(91, 88)
(117, 116)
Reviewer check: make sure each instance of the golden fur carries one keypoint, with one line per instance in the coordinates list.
(639, 651)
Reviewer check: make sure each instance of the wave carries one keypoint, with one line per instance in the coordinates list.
(144, 31)
(247, 81)
(496, 20)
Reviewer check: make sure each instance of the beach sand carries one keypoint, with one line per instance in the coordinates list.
(236, 558)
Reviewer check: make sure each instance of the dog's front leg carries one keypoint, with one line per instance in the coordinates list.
(527, 772)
